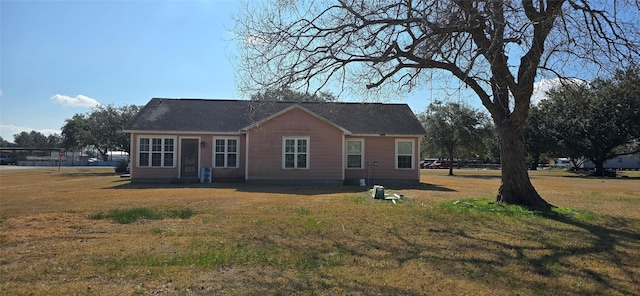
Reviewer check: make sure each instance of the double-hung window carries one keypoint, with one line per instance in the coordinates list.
(404, 154)
(355, 152)
(225, 153)
(156, 152)
(295, 153)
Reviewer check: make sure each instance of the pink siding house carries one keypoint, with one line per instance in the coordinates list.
(275, 142)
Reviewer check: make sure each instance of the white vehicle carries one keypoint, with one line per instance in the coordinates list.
(562, 163)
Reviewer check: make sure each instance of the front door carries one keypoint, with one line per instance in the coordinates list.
(189, 158)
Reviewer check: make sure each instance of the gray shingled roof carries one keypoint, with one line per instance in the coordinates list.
(230, 116)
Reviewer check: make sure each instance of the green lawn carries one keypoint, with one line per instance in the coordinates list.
(60, 234)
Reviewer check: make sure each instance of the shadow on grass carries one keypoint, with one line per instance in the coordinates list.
(486, 177)
(266, 188)
(472, 257)
(422, 186)
(90, 174)
(242, 187)
(612, 242)
(588, 175)
(609, 241)
(280, 282)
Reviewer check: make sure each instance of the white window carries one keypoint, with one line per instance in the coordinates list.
(295, 153)
(404, 154)
(355, 152)
(225, 153)
(156, 152)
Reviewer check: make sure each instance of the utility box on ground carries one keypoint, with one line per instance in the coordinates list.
(378, 192)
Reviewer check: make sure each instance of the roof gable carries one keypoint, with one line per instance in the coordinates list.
(292, 107)
(233, 116)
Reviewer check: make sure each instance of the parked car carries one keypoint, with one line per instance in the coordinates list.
(7, 159)
(440, 165)
(424, 164)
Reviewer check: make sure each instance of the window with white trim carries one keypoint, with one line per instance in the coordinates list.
(355, 152)
(225, 153)
(404, 154)
(156, 152)
(295, 153)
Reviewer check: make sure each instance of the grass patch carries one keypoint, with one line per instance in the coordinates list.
(128, 216)
(630, 200)
(216, 254)
(486, 206)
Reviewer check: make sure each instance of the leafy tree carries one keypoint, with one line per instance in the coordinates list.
(101, 128)
(289, 95)
(126, 114)
(32, 139)
(599, 120)
(54, 141)
(5, 143)
(538, 136)
(491, 143)
(495, 48)
(453, 129)
(73, 130)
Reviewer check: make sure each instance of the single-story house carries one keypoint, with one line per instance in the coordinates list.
(275, 142)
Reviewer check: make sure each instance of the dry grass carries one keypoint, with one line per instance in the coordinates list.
(249, 240)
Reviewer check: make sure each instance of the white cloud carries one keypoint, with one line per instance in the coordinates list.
(12, 129)
(541, 88)
(77, 101)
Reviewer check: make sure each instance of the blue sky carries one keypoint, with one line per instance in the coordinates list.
(59, 58)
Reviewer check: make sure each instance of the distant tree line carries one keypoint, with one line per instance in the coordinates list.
(593, 121)
(33, 139)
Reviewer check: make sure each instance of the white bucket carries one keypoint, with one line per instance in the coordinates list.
(362, 183)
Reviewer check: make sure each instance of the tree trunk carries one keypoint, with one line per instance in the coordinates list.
(104, 154)
(599, 168)
(451, 162)
(516, 188)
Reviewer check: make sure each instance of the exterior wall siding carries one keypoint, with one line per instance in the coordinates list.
(205, 158)
(150, 174)
(225, 173)
(266, 148)
(381, 149)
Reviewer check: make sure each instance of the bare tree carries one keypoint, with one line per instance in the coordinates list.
(494, 47)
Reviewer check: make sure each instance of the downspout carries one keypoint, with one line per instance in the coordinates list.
(417, 161)
(132, 152)
(246, 155)
(344, 156)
